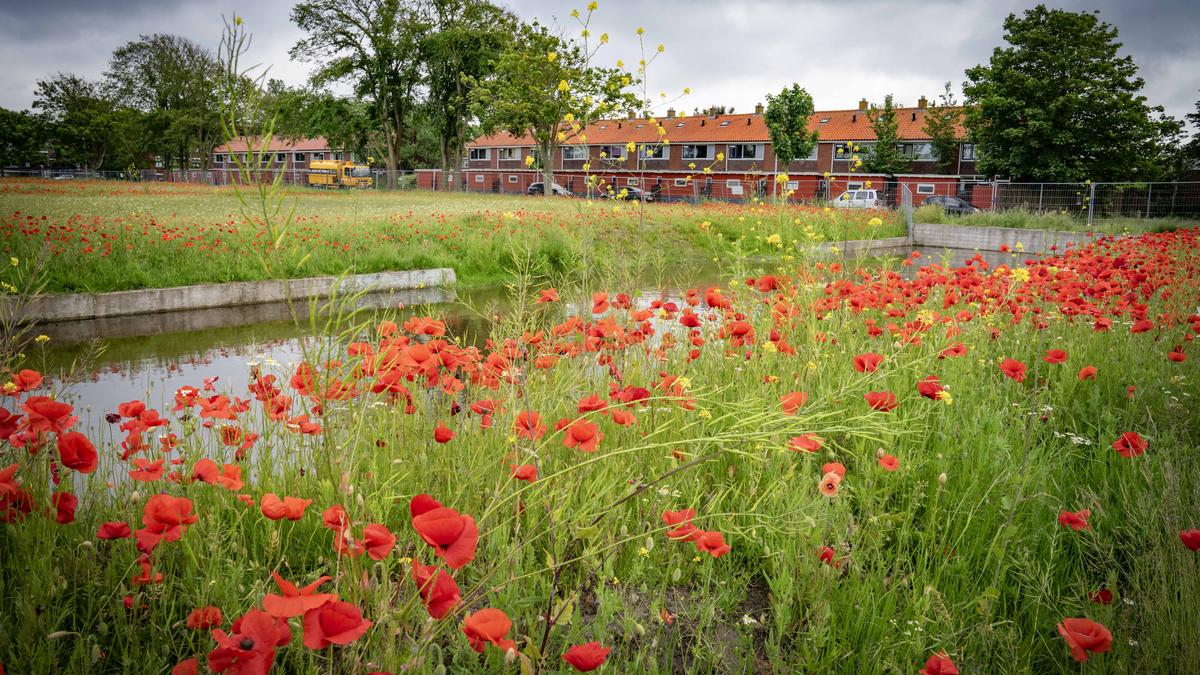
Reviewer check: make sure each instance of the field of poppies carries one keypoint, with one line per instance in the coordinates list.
(809, 468)
(111, 236)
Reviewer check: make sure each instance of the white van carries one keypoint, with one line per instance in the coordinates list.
(857, 199)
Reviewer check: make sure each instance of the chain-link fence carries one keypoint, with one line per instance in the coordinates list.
(379, 179)
(1087, 200)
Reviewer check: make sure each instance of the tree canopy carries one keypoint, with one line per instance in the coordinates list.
(942, 120)
(1060, 103)
(885, 157)
(787, 117)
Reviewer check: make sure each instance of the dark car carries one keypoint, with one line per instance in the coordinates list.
(538, 188)
(950, 205)
(631, 194)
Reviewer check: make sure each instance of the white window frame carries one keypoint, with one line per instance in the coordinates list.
(512, 178)
(574, 153)
(613, 151)
(478, 178)
(926, 188)
(793, 185)
(681, 182)
(858, 185)
(298, 157)
(281, 157)
(684, 153)
(478, 154)
(507, 154)
(812, 156)
(729, 153)
(631, 182)
(732, 183)
(663, 152)
(318, 156)
(218, 159)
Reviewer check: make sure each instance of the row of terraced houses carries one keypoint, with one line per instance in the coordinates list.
(748, 166)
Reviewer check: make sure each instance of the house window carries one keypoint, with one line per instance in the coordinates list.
(613, 151)
(655, 152)
(733, 183)
(696, 151)
(916, 151)
(744, 151)
(479, 153)
(508, 153)
(574, 152)
(925, 188)
(218, 159)
(299, 157)
(968, 152)
(281, 157)
(631, 181)
(478, 178)
(681, 182)
(793, 185)
(318, 156)
(512, 178)
(854, 186)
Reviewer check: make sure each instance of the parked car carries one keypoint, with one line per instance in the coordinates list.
(950, 204)
(558, 190)
(64, 176)
(858, 199)
(632, 194)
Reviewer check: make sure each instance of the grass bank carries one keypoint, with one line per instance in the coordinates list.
(1030, 220)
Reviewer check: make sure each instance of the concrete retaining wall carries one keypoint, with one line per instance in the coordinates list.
(868, 247)
(992, 238)
(75, 306)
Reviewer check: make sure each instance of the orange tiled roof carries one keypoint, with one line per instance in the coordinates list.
(277, 145)
(839, 125)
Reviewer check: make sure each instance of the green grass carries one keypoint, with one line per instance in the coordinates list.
(1029, 220)
(958, 550)
(108, 236)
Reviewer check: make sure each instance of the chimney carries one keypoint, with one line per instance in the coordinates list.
(862, 105)
(670, 112)
(922, 102)
(758, 109)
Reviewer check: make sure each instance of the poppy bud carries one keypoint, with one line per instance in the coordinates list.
(879, 453)
(942, 478)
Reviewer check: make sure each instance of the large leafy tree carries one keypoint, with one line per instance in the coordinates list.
(173, 81)
(373, 45)
(305, 113)
(465, 39)
(885, 157)
(86, 127)
(22, 138)
(543, 86)
(943, 123)
(787, 118)
(1191, 151)
(1061, 104)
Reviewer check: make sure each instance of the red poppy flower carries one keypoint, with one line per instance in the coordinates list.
(1102, 597)
(834, 467)
(166, 518)
(1076, 520)
(8, 481)
(1055, 356)
(827, 555)
(806, 443)
(529, 425)
(333, 623)
(1087, 373)
(43, 413)
(599, 303)
(939, 664)
(548, 295)
(114, 530)
(792, 401)
(1141, 326)
(1083, 636)
(275, 508)
(204, 618)
(930, 387)
(147, 471)
(442, 433)
(712, 543)
(250, 650)
(131, 409)
(623, 418)
(884, 401)
(64, 507)
(335, 518)
(582, 434)
(378, 541)
(829, 484)
(439, 592)
(1130, 444)
(185, 667)
(1190, 539)
(1014, 369)
(452, 535)
(77, 452)
(487, 626)
(26, 380)
(889, 462)
(867, 363)
(958, 349)
(1176, 355)
(586, 657)
(295, 601)
(525, 472)
(683, 529)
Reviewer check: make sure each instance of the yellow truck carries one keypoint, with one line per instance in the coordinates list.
(338, 173)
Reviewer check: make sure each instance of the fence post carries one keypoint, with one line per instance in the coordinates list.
(1149, 188)
(1091, 201)
(1041, 192)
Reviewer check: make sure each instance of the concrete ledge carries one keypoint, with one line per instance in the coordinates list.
(867, 247)
(992, 238)
(76, 306)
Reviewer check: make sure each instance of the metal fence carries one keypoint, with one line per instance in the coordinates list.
(400, 180)
(1087, 201)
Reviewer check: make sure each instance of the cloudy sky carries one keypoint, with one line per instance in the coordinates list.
(730, 52)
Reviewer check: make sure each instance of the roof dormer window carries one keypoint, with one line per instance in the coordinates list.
(825, 120)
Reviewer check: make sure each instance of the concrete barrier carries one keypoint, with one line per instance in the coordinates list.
(857, 248)
(993, 238)
(76, 306)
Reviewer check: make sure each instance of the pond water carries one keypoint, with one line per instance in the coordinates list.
(150, 357)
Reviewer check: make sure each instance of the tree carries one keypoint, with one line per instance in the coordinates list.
(372, 44)
(1061, 104)
(86, 127)
(466, 38)
(943, 123)
(344, 122)
(173, 81)
(543, 86)
(22, 138)
(787, 121)
(885, 157)
(1190, 153)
